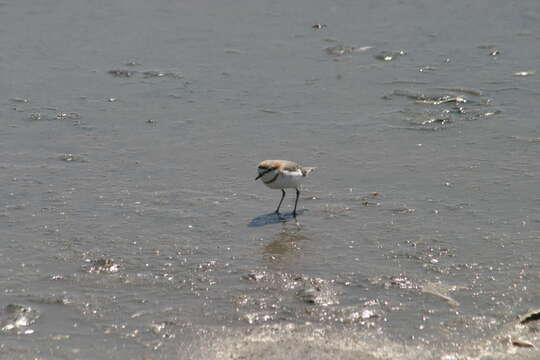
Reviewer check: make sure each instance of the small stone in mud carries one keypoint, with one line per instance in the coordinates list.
(151, 121)
(319, 26)
(112, 99)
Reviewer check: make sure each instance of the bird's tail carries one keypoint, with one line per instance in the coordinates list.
(307, 170)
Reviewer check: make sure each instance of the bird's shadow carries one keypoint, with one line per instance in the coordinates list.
(273, 218)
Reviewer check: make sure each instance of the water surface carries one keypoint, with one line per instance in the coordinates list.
(131, 226)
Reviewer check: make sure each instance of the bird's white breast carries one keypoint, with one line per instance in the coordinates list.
(285, 179)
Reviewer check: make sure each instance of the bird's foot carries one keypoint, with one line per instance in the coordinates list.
(280, 216)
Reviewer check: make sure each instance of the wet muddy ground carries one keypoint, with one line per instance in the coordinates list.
(131, 226)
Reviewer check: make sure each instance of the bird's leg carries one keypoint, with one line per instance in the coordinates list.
(296, 202)
(280, 201)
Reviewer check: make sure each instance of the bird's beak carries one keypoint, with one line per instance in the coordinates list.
(262, 174)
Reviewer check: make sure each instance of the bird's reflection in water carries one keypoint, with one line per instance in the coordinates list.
(285, 243)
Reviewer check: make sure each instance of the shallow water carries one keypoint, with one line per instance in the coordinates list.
(131, 226)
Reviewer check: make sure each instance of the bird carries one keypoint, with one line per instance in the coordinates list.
(283, 174)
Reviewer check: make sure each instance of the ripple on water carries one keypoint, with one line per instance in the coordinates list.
(390, 55)
(122, 73)
(432, 110)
